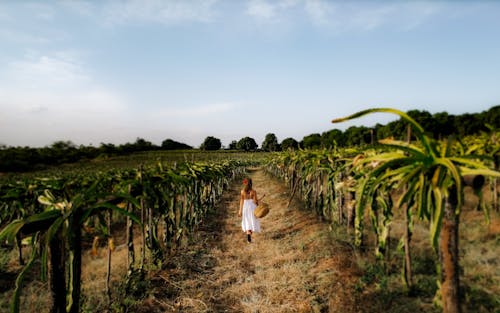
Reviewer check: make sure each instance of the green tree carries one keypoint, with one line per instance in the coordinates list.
(492, 116)
(443, 125)
(468, 124)
(312, 141)
(331, 138)
(211, 144)
(270, 143)
(247, 144)
(169, 144)
(289, 144)
(357, 136)
(233, 145)
(143, 145)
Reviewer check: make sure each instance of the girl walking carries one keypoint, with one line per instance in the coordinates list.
(248, 203)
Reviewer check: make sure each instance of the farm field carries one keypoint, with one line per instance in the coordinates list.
(299, 263)
(134, 160)
(134, 136)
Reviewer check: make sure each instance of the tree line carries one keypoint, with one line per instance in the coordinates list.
(438, 125)
(21, 159)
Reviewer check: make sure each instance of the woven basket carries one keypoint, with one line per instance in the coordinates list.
(261, 210)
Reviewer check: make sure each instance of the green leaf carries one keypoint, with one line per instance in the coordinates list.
(403, 146)
(10, 231)
(14, 306)
(108, 206)
(437, 217)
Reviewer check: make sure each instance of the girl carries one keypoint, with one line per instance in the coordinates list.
(248, 203)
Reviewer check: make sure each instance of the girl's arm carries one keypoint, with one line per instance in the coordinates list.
(241, 203)
(255, 198)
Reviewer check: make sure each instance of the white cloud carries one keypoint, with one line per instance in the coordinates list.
(43, 70)
(346, 16)
(44, 98)
(158, 11)
(82, 7)
(319, 11)
(261, 9)
(370, 16)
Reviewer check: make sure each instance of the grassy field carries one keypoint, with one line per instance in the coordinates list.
(135, 160)
(297, 264)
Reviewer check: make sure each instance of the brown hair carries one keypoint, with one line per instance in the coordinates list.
(248, 186)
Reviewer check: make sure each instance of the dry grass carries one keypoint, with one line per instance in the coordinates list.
(293, 265)
(479, 251)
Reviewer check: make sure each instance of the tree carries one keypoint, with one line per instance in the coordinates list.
(247, 144)
(289, 144)
(108, 148)
(169, 144)
(233, 145)
(492, 116)
(211, 144)
(443, 125)
(63, 145)
(357, 135)
(468, 124)
(143, 145)
(332, 138)
(312, 141)
(270, 143)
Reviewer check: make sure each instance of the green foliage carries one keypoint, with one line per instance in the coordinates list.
(233, 145)
(333, 138)
(312, 141)
(179, 197)
(424, 172)
(247, 144)
(211, 144)
(270, 143)
(289, 144)
(169, 144)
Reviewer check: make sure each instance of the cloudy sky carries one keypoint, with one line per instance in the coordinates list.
(112, 71)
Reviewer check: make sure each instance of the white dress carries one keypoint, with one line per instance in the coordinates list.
(249, 221)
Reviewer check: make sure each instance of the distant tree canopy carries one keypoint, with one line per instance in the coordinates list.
(312, 141)
(169, 144)
(247, 144)
(333, 137)
(439, 125)
(233, 145)
(289, 144)
(21, 159)
(211, 144)
(270, 143)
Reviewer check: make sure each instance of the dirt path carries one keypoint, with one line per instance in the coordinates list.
(292, 266)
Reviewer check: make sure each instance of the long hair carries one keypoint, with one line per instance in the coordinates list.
(248, 185)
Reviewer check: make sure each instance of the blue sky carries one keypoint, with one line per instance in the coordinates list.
(112, 71)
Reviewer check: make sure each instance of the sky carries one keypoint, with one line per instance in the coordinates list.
(111, 71)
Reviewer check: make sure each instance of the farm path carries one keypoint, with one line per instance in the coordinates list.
(291, 266)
